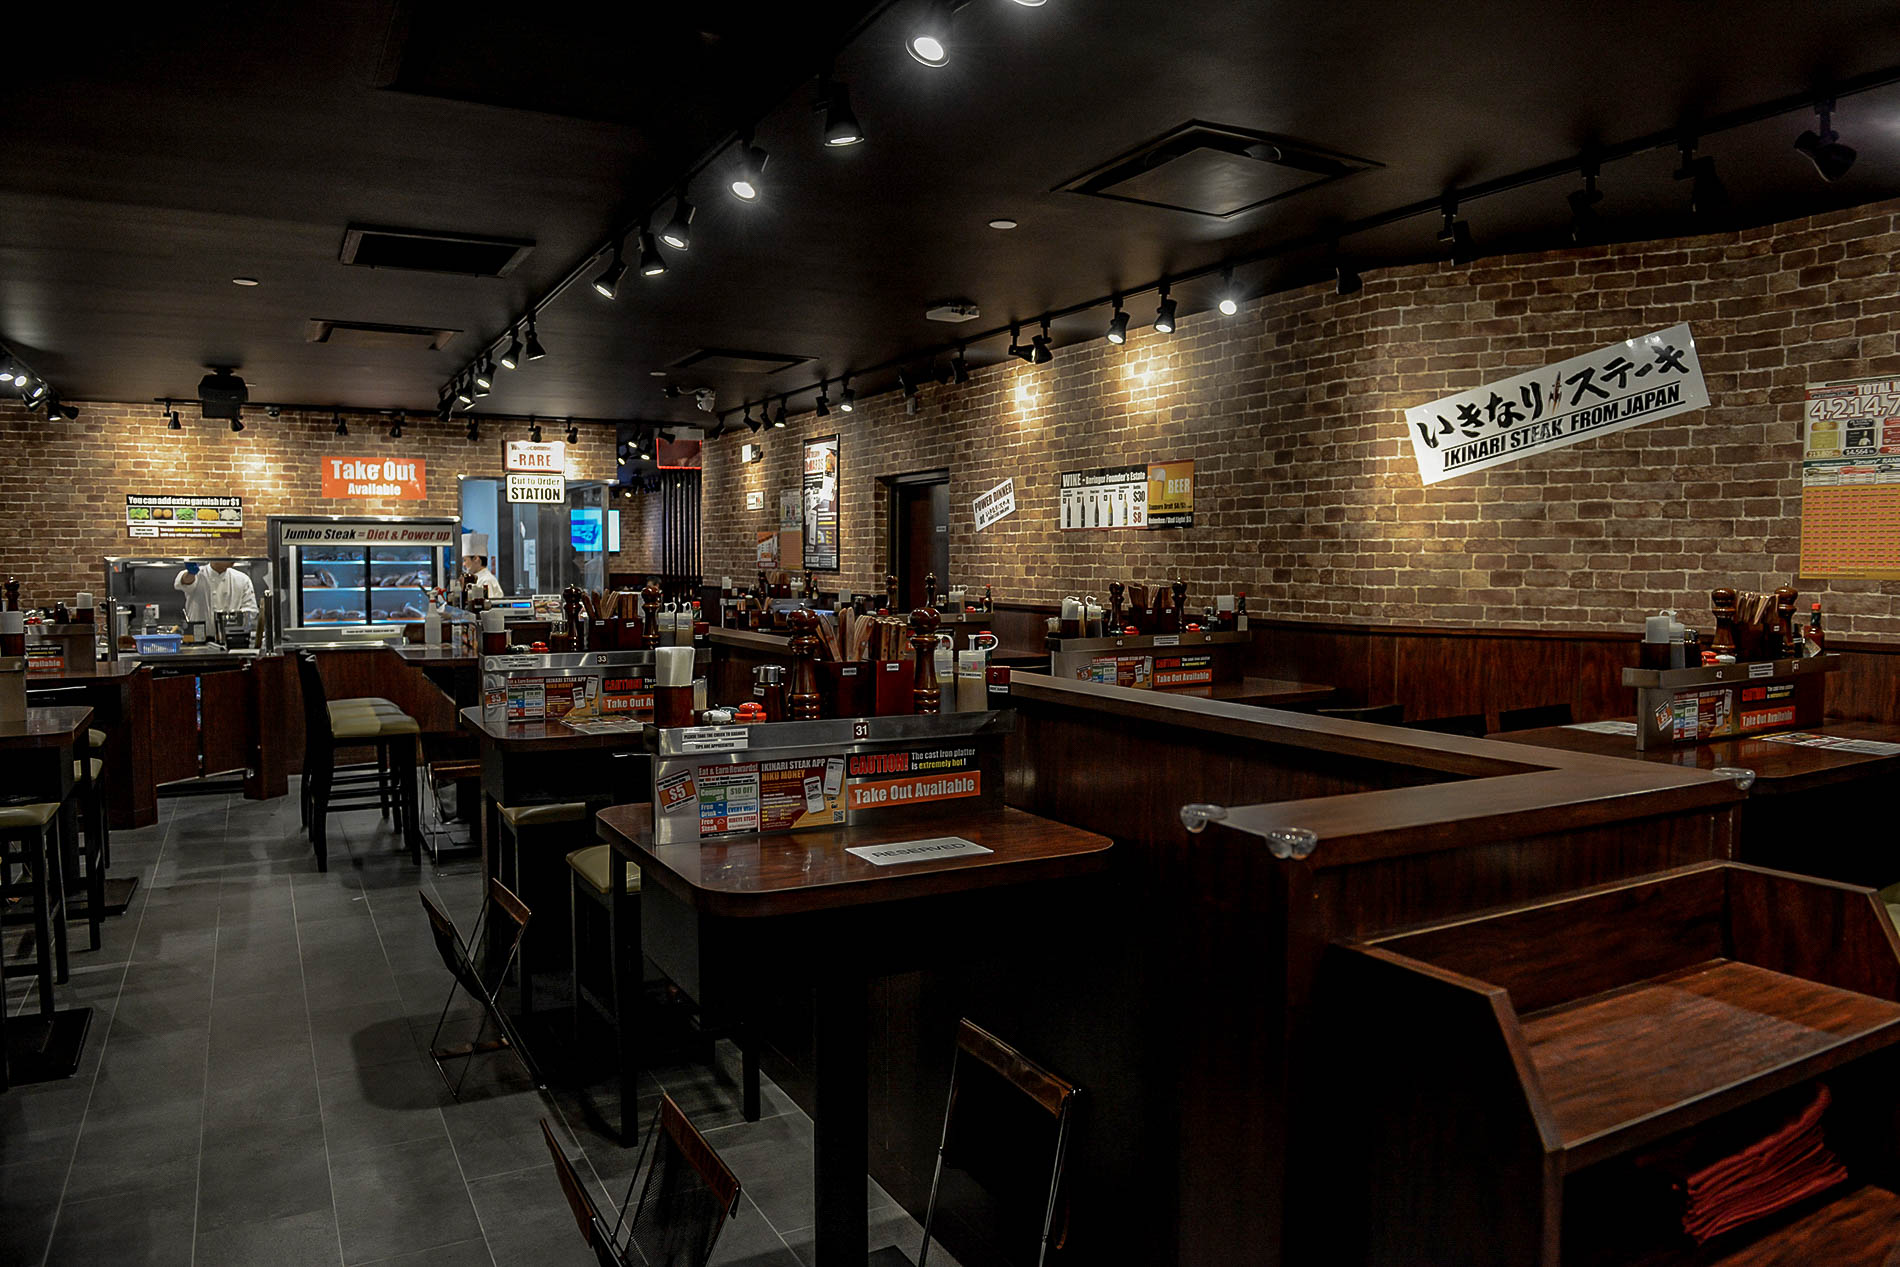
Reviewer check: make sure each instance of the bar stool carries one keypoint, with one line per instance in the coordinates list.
(89, 789)
(358, 775)
(393, 735)
(28, 847)
(525, 848)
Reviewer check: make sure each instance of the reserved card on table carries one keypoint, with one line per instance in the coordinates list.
(917, 850)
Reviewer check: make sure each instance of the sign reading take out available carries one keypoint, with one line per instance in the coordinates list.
(400, 478)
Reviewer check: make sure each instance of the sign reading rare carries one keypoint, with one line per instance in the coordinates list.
(1624, 385)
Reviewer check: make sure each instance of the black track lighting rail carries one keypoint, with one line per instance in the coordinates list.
(1594, 157)
(410, 417)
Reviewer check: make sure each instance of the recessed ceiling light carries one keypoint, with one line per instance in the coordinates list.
(244, 281)
(1002, 222)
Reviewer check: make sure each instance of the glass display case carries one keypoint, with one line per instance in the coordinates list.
(341, 574)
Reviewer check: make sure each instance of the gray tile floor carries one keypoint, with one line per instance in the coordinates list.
(256, 1091)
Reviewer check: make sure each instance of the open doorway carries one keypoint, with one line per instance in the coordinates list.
(920, 533)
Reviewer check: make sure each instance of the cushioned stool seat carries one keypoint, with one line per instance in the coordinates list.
(362, 726)
(96, 739)
(594, 865)
(364, 701)
(98, 769)
(542, 815)
(23, 817)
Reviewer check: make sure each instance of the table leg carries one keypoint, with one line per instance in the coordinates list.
(839, 1147)
(622, 913)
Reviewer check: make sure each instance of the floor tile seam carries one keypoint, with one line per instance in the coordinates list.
(323, 1122)
(104, 1041)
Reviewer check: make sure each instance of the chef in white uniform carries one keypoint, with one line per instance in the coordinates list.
(219, 588)
(475, 566)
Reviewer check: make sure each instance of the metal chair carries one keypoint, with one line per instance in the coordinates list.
(1001, 1105)
(494, 945)
(688, 1197)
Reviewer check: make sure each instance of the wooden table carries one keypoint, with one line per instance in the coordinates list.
(1261, 692)
(1815, 811)
(120, 694)
(457, 672)
(732, 913)
(38, 758)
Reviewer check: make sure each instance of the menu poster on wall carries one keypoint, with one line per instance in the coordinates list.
(189, 516)
(821, 505)
(1114, 497)
(1850, 480)
(1612, 389)
(755, 500)
(403, 479)
(1171, 494)
(791, 509)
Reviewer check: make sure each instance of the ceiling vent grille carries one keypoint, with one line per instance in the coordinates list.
(728, 361)
(1209, 169)
(424, 251)
(374, 334)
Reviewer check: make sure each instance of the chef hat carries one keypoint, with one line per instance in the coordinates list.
(474, 543)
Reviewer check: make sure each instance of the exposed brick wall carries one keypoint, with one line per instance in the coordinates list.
(63, 486)
(1307, 492)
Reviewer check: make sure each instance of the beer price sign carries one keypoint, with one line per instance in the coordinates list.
(400, 479)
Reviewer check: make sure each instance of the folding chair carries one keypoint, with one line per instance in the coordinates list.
(1001, 1105)
(494, 945)
(685, 1203)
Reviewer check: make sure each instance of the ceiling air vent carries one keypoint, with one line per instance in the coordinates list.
(1213, 170)
(425, 251)
(374, 334)
(728, 361)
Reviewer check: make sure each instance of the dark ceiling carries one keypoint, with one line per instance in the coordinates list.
(150, 160)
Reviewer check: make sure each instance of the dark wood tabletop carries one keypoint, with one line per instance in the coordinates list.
(45, 728)
(543, 736)
(1262, 692)
(104, 670)
(449, 657)
(792, 872)
(1783, 766)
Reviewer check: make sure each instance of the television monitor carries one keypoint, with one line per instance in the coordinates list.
(583, 527)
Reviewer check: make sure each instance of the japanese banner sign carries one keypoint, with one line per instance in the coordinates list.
(1621, 386)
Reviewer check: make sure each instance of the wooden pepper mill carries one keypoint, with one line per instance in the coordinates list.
(926, 692)
(1115, 591)
(1722, 605)
(1786, 640)
(930, 589)
(650, 606)
(13, 594)
(801, 703)
(890, 591)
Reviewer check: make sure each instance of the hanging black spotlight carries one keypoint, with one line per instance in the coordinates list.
(171, 418)
(395, 428)
(1229, 303)
(573, 432)
(1824, 149)
(1164, 314)
(1707, 196)
(607, 284)
(464, 395)
(959, 368)
(847, 399)
(906, 383)
(479, 390)
(1454, 233)
(678, 232)
(1583, 204)
(535, 350)
(1346, 279)
(237, 424)
(1118, 323)
(534, 431)
(779, 420)
(1039, 353)
(341, 428)
(823, 406)
(474, 431)
(1017, 347)
(652, 263)
(484, 374)
(929, 40)
(511, 359)
(841, 126)
(748, 182)
(750, 421)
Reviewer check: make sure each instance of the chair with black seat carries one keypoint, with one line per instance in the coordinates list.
(479, 966)
(31, 867)
(394, 736)
(1469, 724)
(530, 844)
(1006, 1128)
(685, 1202)
(1535, 717)
(1387, 714)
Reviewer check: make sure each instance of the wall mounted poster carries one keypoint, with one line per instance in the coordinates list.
(1171, 494)
(1111, 497)
(1612, 389)
(821, 505)
(1850, 480)
(186, 516)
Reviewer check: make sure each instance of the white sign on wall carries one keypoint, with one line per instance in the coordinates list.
(998, 503)
(529, 456)
(1624, 385)
(545, 489)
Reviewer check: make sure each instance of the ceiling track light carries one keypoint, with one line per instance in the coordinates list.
(607, 285)
(928, 41)
(1831, 159)
(1707, 196)
(341, 428)
(484, 373)
(1346, 278)
(652, 263)
(1229, 301)
(1164, 313)
(1118, 323)
(474, 431)
(822, 407)
(511, 359)
(907, 383)
(573, 432)
(778, 420)
(534, 430)
(463, 395)
(1583, 204)
(912, 405)
(748, 182)
(1039, 353)
(750, 421)
(1017, 347)
(237, 425)
(678, 232)
(172, 422)
(1455, 233)
(535, 350)
(841, 126)
(959, 368)
(847, 399)
(395, 428)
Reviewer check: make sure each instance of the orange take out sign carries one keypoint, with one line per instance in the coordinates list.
(403, 479)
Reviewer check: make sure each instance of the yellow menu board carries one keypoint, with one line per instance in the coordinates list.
(1171, 494)
(1850, 480)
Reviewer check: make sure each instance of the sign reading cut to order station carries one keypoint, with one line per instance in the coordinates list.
(1612, 389)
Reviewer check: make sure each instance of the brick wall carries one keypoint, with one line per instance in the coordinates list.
(63, 486)
(1307, 492)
